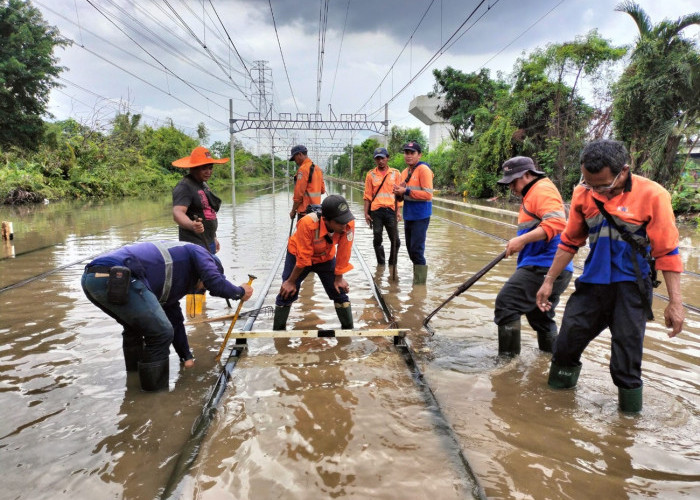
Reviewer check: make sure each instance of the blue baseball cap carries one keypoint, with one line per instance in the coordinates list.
(299, 148)
(381, 153)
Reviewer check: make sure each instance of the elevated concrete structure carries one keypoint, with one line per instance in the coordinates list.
(425, 109)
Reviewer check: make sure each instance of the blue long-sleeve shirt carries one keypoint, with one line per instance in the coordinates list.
(190, 263)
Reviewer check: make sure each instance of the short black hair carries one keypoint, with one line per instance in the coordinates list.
(602, 153)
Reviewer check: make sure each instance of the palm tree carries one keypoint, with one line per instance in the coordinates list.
(656, 100)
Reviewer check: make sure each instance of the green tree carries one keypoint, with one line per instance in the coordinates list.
(551, 79)
(400, 136)
(656, 99)
(28, 70)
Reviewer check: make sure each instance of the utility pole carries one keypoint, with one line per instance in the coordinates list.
(386, 126)
(272, 154)
(262, 93)
(232, 147)
(352, 155)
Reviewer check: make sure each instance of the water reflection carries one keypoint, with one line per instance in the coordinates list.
(316, 420)
(321, 418)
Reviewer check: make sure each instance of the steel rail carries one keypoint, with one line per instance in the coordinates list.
(190, 449)
(430, 399)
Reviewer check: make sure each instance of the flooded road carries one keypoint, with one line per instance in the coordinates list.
(323, 418)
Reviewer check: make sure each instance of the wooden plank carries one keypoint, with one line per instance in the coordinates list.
(260, 334)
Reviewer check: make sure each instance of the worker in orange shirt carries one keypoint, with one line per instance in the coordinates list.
(416, 191)
(312, 248)
(630, 228)
(308, 182)
(381, 207)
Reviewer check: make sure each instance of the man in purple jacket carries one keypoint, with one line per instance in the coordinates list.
(140, 286)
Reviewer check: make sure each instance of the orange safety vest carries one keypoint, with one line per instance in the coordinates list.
(313, 244)
(308, 192)
(384, 195)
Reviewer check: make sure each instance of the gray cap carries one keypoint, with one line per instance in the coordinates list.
(299, 148)
(516, 167)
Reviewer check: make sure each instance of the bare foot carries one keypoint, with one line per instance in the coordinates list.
(189, 363)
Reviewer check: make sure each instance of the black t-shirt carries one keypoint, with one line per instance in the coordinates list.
(200, 202)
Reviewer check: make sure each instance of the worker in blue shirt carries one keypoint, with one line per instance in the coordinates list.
(140, 286)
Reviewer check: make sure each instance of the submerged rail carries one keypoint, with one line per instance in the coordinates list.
(431, 401)
(190, 450)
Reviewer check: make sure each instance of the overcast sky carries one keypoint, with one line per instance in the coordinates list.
(181, 59)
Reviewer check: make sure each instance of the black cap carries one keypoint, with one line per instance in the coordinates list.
(298, 149)
(516, 167)
(381, 152)
(334, 207)
(412, 146)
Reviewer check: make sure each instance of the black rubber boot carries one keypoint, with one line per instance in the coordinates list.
(509, 338)
(281, 315)
(545, 340)
(132, 347)
(344, 312)
(563, 377)
(630, 400)
(379, 252)
(154, 375)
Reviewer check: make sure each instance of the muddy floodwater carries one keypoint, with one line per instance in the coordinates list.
(324, 418)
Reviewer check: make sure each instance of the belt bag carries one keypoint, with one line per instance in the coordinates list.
(636, 246)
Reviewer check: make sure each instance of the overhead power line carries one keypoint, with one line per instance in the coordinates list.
(282, 54)
(391, 68)
(133, 56)
(340, 50)
(206, 49)
(441, 50)
(322, 27)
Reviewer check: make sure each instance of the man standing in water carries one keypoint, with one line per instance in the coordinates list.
(312, 248)
(140, 286)
(629, 223)
(416, 191)
(381, 207)
(194, 205)
(540, 221)
(308, 183)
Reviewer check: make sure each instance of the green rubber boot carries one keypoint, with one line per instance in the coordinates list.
(509, 338)
(344, 312)
(154, 375)
(545, 340)
(563, 377)
(630, 400)
(420, 274)
(281, 315)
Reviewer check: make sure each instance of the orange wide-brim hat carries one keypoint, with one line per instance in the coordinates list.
(199, 156)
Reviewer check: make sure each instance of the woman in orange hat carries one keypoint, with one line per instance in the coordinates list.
(194, 205)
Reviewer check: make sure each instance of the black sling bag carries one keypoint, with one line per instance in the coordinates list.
(636, 246)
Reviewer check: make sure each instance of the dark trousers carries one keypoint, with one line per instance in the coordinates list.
(324, 270)
(142, 313)
(385, 218)
(517, 297)
(416, 232)
(591, 309)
